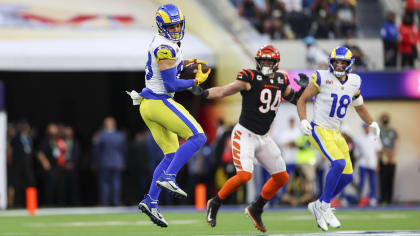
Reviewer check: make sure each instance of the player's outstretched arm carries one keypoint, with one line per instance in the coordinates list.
(229, 89)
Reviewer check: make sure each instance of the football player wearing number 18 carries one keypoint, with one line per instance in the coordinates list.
(335, 89)
(262, 91)
(166, 118)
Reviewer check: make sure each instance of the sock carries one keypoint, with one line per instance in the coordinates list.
(260, 202)
(272, 186)
(345, 179)
(333, 177)
(232, 184)
(325, 205)
(185, 152)
(154, 190)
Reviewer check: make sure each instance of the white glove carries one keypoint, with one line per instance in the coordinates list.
(135, 96)
(306, 127)
(375, 128)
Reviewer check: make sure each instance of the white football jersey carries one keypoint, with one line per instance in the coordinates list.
(161, 48)
(334, 97)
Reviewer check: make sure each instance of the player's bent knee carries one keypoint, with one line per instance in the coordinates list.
(244, 176)
(199, 139)
(339, 164)
(280, 178)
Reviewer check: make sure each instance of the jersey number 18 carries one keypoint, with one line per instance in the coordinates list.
(342, 107)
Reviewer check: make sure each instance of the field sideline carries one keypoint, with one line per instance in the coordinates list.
(189, 222)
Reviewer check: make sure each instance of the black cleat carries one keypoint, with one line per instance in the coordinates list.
(212, 208)
(255, 214)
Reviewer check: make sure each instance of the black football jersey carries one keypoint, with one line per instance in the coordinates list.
(260, 103)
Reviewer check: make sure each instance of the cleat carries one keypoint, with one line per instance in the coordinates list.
(330, 218)
(315, 209)
(255, 214)
(151, 209)
(212, 208)
(168, 182)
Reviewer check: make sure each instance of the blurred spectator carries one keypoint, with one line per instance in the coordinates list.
(274, 23)
(254, 11)
(286, 141)
(409, 40)
(199, 168)
(11, 133)
(387, 163)
(367, 149)
(110, 148)
(137, 174)
(316, 57)
(52, 156)
(390, 36)
(345, 18)
(21, 164)
(155, 156)
(72, 167)
(359, 56)
(323, 19)
(298, 20)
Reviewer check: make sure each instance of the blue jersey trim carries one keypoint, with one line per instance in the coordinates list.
(318, 79)
(149, 94)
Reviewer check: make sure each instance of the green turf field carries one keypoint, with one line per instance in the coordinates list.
(229, 223)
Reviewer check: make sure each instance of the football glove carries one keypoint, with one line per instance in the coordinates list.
(199, 91)
(200, 76)
(135, 97)
(303, 80)
(305, 127)
(195, 60)
(375, 128)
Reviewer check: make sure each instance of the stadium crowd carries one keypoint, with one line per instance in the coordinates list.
(118, 167)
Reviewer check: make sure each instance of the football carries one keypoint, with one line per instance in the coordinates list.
(189, 70)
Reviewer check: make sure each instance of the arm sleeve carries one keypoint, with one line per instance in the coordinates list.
(173, 84)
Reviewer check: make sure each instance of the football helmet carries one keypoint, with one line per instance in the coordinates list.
(168, 15)
(340, 54)
(268, 52)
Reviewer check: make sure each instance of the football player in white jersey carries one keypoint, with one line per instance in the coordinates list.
(167, 119)
(335, 89)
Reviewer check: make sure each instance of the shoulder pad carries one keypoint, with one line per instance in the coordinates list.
(246, 75)
(164, 52)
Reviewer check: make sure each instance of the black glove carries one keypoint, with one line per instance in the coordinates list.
(303, 80)
(199, 91)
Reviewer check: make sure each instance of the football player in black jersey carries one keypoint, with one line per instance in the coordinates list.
(262, 90)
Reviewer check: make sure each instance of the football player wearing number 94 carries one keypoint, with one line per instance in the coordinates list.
(261, 91)
(335, 89)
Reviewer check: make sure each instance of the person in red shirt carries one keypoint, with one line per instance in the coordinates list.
(407, 46)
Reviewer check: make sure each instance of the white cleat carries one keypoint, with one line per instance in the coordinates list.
(315, 209)
(330, 218)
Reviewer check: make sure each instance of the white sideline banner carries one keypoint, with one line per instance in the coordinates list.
(3, 174)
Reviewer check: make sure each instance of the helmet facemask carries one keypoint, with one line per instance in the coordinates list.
(268, 59)
(345, 68)
(267, 66)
